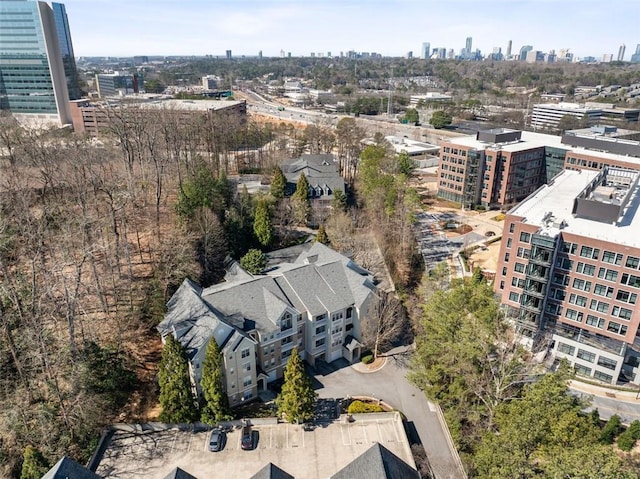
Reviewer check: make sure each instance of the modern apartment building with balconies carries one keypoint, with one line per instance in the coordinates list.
(569, 271)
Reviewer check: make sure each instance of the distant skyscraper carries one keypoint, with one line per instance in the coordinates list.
(621, 51)
(260, 54)
(426, 50)
(37, 66)
(281, 53)
(607, 58)
(635, 58)
(509, 45)
(523, 52)
(409, 55)
(468, 44)
(228, 54)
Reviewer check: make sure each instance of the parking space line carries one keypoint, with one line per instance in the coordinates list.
(287, 429)
(270, 438)
(364, 430)
(381, 439)
(344, 443)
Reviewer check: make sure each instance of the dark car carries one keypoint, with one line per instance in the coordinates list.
(216, 440)
(247, 438)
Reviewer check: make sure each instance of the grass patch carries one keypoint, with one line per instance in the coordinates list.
(499, 217)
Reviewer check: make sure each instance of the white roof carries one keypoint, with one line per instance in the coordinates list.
(558, 197)
(528, 140)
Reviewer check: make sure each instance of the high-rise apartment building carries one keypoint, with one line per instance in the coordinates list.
(468, 44)
(119, 84)
(37, 68)
(228, 54)
(509, 45)
(635, 58)
(569, 271)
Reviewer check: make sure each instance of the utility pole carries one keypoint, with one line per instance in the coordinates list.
(389, 99)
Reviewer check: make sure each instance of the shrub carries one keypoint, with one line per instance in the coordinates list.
(359, 407)
(368, 359)
(611, 430)
(626, 441)
(634, 429)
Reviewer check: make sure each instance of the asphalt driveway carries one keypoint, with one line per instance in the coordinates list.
(390, 384)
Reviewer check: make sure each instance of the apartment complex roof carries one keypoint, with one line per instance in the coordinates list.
(67, 468)
(320, 170)
(553, 207)
(377, 462)
(527, 141)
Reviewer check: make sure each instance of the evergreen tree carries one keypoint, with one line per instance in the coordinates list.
(216, 402)
(176, 399)
(278, 183)
(477, 277)
(262, 224)
(339, 201)
(300, 200)
(254, 261)
(321, 236)
(297, 398)
(34, 465)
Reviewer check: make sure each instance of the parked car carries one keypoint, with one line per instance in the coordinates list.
(216, 440)
(247, 438)
(489, 233)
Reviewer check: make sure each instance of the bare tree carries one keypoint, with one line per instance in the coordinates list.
(386, 322)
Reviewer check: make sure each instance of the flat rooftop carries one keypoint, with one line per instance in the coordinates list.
(132, 453)
(528, 140)
(553, 205)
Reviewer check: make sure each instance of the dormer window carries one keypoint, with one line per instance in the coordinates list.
(286, 322)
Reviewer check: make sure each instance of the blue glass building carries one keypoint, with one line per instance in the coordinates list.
(37, 67)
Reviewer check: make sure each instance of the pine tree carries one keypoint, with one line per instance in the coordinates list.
(477, 277)
(216, 402)
(321, 236)
(254, 261)
(300, 200)
(34, 465)
(297, 398)
(278, 183)
(176, 399)
(262, 224)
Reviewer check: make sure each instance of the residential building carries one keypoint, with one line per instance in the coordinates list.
(119, 84)
(228, 54)
(621, 51)
(548, 115)
(568, 271)
(509, 46)
(497, 167)
(210, 82)
(315, 303)
(322, 174)
(37, 69)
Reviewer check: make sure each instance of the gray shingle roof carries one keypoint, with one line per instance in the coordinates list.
(271, 471)
(320, 170)
(377, 462)
(67, 468)
(178, 473)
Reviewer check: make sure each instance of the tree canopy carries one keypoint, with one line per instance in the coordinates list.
(254, 261)
(278, 183)
(34, 465)
(215, 406)
(176, 398)
(295, 402)
(440, 119)
(262, 223)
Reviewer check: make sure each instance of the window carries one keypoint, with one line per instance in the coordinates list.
(337, 316)
(506, 257)
(519, 268)
(569, 248)
(589, 252)
(607, 274)
(247, 395)
(286, 323)
(286, 354)
(246, 367)
(287, 340)
(349, 313)
(504, 271)
(574, 315)
(512, 227)
(246, 381)
(321, 317)
(321, 329)
(626, 296)
(586, 355)
(599, 306)
(523, 253)
(577, 300)
(509, 241)
(564, 263)
(607, 363)
(582, 370)
(515, 297)
(612, 258)
(517, 282)
(622, 313)
(617, 328)
(525, 237)
(602, 290)
(582, 285)
(607, 378)
(566, 349)
(632, 262)
(595, 321)
(320, 342)
(502, 284)
(586, 269)
(245, 353)
(631, 280)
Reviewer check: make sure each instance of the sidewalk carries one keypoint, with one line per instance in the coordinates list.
(603, 391)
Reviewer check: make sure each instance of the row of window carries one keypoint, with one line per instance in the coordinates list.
(587, 356)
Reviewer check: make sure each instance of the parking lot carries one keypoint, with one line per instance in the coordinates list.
(311, 454)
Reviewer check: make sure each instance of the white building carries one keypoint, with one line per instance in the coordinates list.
(548, 115)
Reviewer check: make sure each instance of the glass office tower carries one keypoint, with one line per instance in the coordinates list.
(33, 80)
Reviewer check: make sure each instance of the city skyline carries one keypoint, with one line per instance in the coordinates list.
(196, 27)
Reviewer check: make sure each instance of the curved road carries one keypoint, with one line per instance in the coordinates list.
(391, 385)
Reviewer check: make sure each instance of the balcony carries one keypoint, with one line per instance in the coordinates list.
(538, 272)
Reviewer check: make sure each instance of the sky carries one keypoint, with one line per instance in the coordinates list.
(390, 27)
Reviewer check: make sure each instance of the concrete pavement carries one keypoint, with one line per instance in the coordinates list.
(390, 384)
(608, 401)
